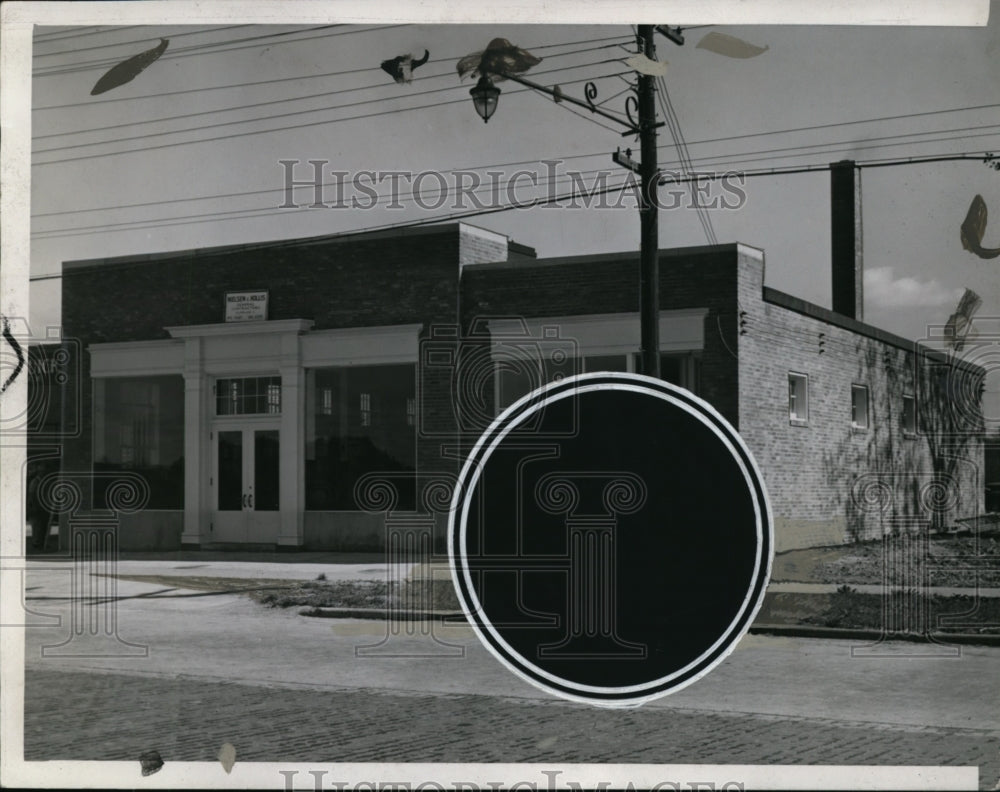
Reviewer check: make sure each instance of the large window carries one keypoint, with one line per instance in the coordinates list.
(139, 427)
(359, 419)
(516, 379)
(678, 368)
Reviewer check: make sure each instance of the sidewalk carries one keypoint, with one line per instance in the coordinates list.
(272, 568)
(221, 668)
(863, 588)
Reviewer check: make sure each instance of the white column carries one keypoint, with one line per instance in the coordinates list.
(292, 486)
(196, 486)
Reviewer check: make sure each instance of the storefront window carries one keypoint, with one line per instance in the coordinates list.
(517, 380)
(139, 427)
(359, 420)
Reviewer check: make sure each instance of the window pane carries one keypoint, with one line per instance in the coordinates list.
(230, 471)
(265, 463)
(248, 396)
(361, 420)
(859, 406)
(605, 363)
(798, 397)
(909, 414)
(517, 379)
(139, 426)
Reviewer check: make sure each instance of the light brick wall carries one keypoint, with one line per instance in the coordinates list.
(825, 479)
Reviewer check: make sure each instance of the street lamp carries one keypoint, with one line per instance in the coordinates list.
(485, 97)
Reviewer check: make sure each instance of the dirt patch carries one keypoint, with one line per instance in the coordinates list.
(410, 595)
(196, 583)
(435, 593)
(963, 561)
(904, 612)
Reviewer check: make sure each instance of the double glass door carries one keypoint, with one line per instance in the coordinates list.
(247, 504)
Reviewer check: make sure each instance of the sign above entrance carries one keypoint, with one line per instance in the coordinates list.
(246, 306)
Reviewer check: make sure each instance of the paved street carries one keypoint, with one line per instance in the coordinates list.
(207, 669)
(118, 717)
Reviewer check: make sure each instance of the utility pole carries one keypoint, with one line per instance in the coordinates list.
(485, 96)
(649, 263)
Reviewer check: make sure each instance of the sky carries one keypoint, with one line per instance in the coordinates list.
(188, 154)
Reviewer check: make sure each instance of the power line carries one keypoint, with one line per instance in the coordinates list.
(298, 78)
(673, 124)
(596, 154)
(147, 40)
(184, 52)
(775, 151)
(378, 198)
(664, 179)
(700, 142)
(412, 223)
(884, 163)
(846, 146)
(560, 158)
(251, 212)
(216, 111)
(262, 131)
(74, 33)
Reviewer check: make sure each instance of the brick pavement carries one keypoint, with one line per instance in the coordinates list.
(118, 717)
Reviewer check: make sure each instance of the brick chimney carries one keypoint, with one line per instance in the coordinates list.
(845, 237)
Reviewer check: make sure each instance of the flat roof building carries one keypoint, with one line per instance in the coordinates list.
(260, 393)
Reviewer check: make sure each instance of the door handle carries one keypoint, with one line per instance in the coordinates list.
(251, 500)
(244, 500)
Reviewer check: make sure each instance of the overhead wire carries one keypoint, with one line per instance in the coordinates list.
(253, 212)
(680, 144)
(199, 49)
(673, 124)
(664, 178)
(405, 223)
(783, 151)
(60, 35)
(297, 79)
(260, 131)
(284, 100)
(166, 35)
(388, 198)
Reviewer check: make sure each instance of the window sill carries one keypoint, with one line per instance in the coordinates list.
(855, 429)
(798, 422)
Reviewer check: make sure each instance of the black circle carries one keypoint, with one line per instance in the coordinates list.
(619, 560)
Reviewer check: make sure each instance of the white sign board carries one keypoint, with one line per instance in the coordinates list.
(246, 306)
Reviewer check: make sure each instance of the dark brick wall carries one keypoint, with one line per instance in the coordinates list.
(689, 278)
(338, 282)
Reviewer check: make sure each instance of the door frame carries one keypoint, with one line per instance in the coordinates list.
(258, 527)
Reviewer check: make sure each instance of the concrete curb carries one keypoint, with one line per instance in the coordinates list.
(383, 614)
(789, 630)
(811, 631)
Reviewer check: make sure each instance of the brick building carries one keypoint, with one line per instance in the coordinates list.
(261, 394)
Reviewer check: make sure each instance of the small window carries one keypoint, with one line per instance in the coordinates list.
(909, 415)
(859, 406)
(248, 396)
(798, 398)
